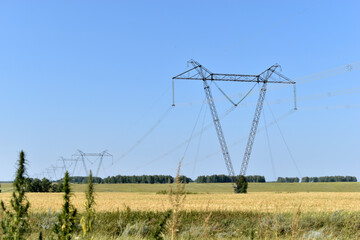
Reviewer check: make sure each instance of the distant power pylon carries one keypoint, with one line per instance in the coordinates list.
(68, 164)
(199, 72)
(92, 158)
(54, 170)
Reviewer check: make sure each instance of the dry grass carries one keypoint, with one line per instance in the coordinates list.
(260, 202)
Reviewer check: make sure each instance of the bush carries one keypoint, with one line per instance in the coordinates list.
(241, 185)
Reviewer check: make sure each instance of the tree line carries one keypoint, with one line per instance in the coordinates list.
(163, 179)
(150, 179)
(225, 178)
(329, 179)
(317, 179)
(44, 185)
(288, 180)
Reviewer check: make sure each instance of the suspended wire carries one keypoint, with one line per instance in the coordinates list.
(166, 91)
(283, 138)
(142, 138)
(328, 73)
(269, 146)
(246, 95)
(327, 94)
(169, 152)
(224, 94)
(304, 79)
(198, 146)
(192, 133)
(212, 154)
(311, 97)
(207, 127)
(331, 107)
(324, 74)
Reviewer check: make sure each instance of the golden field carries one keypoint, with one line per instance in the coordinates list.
(260, 202)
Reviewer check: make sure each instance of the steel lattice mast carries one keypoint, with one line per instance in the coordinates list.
(84, 156)
(216, 120)
(198, 72)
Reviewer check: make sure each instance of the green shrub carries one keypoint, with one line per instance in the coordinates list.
(241, 185)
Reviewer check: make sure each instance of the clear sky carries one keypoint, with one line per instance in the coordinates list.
(96, 75)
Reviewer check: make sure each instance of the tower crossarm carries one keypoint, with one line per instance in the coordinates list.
(198, 72)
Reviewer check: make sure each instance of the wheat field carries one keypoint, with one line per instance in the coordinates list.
(258, 202)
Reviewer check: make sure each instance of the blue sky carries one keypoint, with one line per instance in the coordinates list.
(94, 75)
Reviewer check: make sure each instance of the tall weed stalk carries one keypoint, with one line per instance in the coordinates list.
(177, 199)
(15, 222)
(295, 224)
(66, 224)
(87, 221)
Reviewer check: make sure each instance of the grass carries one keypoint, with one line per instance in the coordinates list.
(130, 224)
(218, 187)
(268, 211)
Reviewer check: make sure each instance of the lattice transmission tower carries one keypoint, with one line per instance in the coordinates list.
(92, 158)
(270, 75)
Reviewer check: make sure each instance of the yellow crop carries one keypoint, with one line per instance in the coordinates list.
(262, 202)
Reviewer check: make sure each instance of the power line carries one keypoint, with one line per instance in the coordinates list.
(300, 80)
(192, 133)
(177, 147)
(199, 142)
(283, 138)
(235, 143)
(269, 146)
(142, 138)
(331, 107)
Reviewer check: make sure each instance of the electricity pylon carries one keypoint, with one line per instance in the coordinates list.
(71, 162)
(84, 156)
(199, 72)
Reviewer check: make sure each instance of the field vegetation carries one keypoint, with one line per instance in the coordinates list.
(184, 211)
(259, 202)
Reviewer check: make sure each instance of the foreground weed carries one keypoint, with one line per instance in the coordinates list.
(206, 222)
(177, 199)
(158, 231)
(87, 221)
(15, 222)
(66, 224)
(295, 224)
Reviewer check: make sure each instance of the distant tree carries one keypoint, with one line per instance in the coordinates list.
(241, 185)
(330, 179)
(280, 180)
(288, 180)
(57, 187)
(305, 179)
(45, 185)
